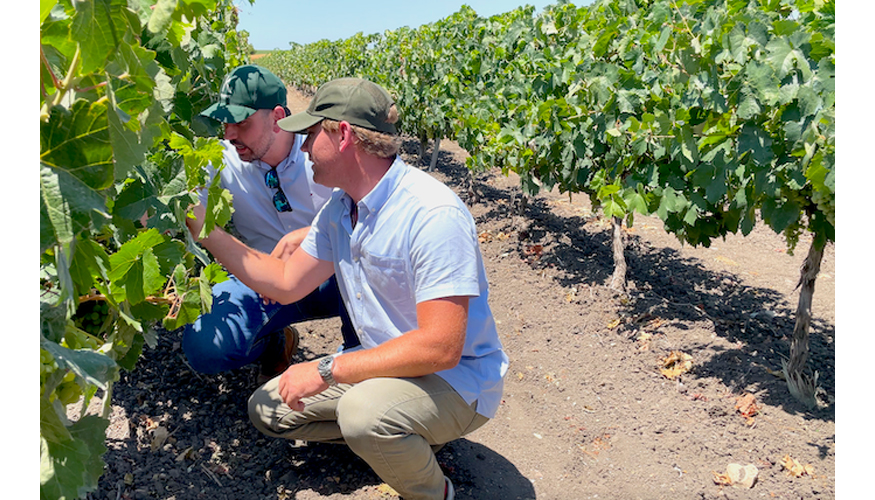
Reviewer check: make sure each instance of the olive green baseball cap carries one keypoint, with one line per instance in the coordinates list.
(353, 100)
(246, 90)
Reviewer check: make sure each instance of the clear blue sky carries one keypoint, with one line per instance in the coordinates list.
(272, 24)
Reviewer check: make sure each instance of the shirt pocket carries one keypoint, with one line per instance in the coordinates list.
(387, 277)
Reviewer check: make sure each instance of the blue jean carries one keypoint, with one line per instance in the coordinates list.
(240, 326)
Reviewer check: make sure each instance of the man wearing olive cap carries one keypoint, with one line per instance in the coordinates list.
(275, 200)
(405, 252)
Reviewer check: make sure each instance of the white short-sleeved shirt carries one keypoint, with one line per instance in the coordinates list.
(415, 240)
(256, 219)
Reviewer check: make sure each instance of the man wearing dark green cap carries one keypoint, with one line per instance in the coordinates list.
(275, 200)
(405, 252)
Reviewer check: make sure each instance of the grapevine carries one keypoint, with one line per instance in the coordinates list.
(122, 155)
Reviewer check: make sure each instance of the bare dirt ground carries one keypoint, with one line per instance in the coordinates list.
(586, 413)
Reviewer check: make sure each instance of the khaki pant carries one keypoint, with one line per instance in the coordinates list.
(391, 423)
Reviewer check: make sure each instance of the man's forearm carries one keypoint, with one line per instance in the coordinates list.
(260, 272)
(435, 346)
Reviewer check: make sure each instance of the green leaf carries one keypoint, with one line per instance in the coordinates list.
(129, 360)
(130, 253)
(96, 368)
(53, 320)
(135, 267)
(161, 15)
(784, 58)
(46, 6)
(77, 141)
(128, 148)
(52, 422)
(780, 214)
(672, 201)
(219, 207)
(197, 156)
(636, 202)
(70, 206)
(749, 107)
(755, 140)
(189, 310)
(99, 26)
(136, 198)
(169, 254)
(214, 273)
(71, 468)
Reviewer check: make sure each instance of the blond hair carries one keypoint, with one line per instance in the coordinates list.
(372, 142)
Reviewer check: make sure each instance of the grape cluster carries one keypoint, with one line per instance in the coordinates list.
(91, 315)
(825, 203)
(46, 367)
(68, 391)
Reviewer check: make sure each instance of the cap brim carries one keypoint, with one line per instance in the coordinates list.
(299, 123)
(228, 113)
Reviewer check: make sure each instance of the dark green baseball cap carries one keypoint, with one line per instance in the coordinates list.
(354, 100)
(246, 90)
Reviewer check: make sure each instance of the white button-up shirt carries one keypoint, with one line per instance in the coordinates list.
(256, 219)
(414, 241)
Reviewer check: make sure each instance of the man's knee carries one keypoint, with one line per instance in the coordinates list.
(213, 347)
(260, 409)
(201, 355)
(362, 418)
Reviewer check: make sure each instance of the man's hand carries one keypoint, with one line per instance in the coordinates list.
(195, 225)
(300, 381)
(285, 248)
(289, 243)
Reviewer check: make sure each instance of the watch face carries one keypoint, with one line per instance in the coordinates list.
(324, 369)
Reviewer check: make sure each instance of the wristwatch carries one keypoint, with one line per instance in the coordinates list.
(324, 367)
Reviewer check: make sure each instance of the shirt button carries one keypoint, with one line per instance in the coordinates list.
(358, 295)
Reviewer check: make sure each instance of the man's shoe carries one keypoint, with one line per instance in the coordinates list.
(449, 494)
(275, 363)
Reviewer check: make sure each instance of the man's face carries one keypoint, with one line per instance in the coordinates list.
(252, 137)
(322, 151)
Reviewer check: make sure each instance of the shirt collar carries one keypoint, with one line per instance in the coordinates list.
(377, 197)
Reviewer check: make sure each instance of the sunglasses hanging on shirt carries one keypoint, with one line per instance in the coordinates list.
(280, 202)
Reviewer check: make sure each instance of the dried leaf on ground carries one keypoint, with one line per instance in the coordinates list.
(643, 338)
(571, 296)
(186, 453)
(598, 445)
(160, 435)
(676, 364)
(534, 251)
(747, 406)
(722, 479)
(796, 469)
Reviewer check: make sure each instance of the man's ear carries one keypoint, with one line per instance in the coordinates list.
(278, 113)
(346, 135)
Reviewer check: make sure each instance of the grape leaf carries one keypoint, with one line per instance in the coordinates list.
(70, 468)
